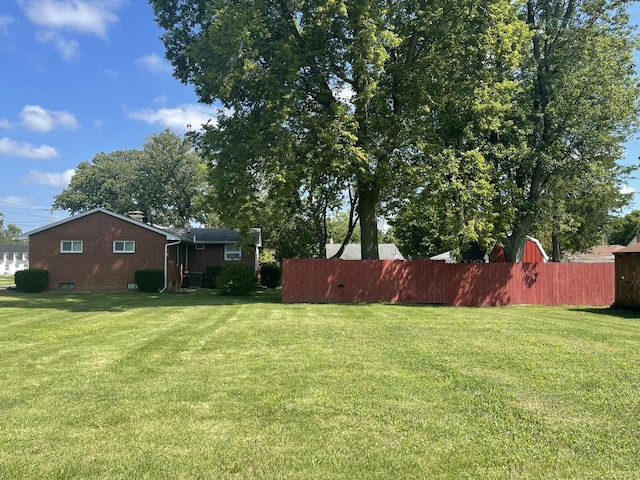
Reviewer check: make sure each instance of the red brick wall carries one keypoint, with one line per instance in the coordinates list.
(424, 281)
(97, 268)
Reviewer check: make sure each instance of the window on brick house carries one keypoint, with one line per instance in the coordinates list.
(232, 252)
(124, 246)
(71, 246)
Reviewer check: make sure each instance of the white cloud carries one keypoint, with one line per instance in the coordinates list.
(155, 64)
(52, 179)
(4, 123)
(12, 148)
(79, 16)
(59, 18)
(67, 48)
(182, 118)
(5, 21)
(36, 118)
(627, 189)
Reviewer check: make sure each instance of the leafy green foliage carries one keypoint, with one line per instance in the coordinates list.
(149, 280)
(32, 281)
(9, 233)
(270, 275)
(211, 276)
(623, 229)
(236, 279)
(166, 180)
(359, 97)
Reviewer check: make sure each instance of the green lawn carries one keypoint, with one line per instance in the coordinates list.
(6, 280)
(197, 386)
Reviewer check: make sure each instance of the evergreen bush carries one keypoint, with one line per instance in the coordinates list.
(236, 279)
(270, 275)
(32, 281)
(149, 280)
(211, 276)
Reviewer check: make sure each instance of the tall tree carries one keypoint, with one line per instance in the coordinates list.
(9, 233)
(578, 103)
(166, 180)
(322, 97)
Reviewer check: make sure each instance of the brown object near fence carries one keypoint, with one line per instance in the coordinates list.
(435, 282)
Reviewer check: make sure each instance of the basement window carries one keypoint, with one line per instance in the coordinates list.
(71, 246)
(67, 286)
(132, 286)
(124, 246)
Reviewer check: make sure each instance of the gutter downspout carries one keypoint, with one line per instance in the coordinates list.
(166, 261)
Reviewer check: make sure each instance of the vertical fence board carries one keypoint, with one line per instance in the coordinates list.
(431, 282)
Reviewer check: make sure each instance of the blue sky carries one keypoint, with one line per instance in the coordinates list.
(79, 77)
(82, 77)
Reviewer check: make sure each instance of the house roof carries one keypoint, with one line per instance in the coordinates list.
(386, 251)
(14, 247)
(598, 253)
(167, 234)
(634, 248)
(220, 236)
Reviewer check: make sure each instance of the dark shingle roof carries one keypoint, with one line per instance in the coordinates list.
(14, 247)
(224, 236)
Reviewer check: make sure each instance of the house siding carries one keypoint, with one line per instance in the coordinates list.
(200, 259)
(97, 268)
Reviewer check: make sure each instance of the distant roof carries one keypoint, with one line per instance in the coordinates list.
(599, 253)
(386, 251)
(168, 235)
(222, 236)
(14, 247)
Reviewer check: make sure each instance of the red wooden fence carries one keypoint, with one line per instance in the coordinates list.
(425, 281)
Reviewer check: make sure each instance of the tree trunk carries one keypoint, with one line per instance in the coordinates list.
(368, 213)
(514, 243)
(555, 247)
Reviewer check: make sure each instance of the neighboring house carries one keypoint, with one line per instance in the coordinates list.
(99, 250)
(597, 254)
(386, 251)
(533, 253)
(13, 257)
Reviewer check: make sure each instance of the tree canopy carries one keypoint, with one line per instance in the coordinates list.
(9, 233)
(166, 180)
(460, 120)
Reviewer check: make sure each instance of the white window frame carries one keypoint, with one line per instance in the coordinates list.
(72, 248)
(232, 252)
(124, 244)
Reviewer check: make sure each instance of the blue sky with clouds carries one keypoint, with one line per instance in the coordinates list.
(80, 77)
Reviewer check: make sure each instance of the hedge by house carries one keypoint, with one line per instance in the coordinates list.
(236, 279)
(32, 281)
(149, 280)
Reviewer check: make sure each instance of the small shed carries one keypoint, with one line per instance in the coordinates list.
(627, 279)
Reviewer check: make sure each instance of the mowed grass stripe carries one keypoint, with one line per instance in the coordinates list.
(201, 386)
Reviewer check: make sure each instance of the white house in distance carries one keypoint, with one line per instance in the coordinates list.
(13, 258)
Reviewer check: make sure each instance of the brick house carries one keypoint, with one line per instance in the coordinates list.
(99, 250)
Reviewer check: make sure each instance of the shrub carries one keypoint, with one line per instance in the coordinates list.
(211, 276)
(33, 281)
(236, 279)
(149, 280)
(270, 275)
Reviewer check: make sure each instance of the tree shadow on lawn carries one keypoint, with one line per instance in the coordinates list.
(610, 312)
(125, 301)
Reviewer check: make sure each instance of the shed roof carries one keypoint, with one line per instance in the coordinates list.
(635, 248)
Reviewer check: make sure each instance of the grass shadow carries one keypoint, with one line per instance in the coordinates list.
(609, 311)
(126, 301)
